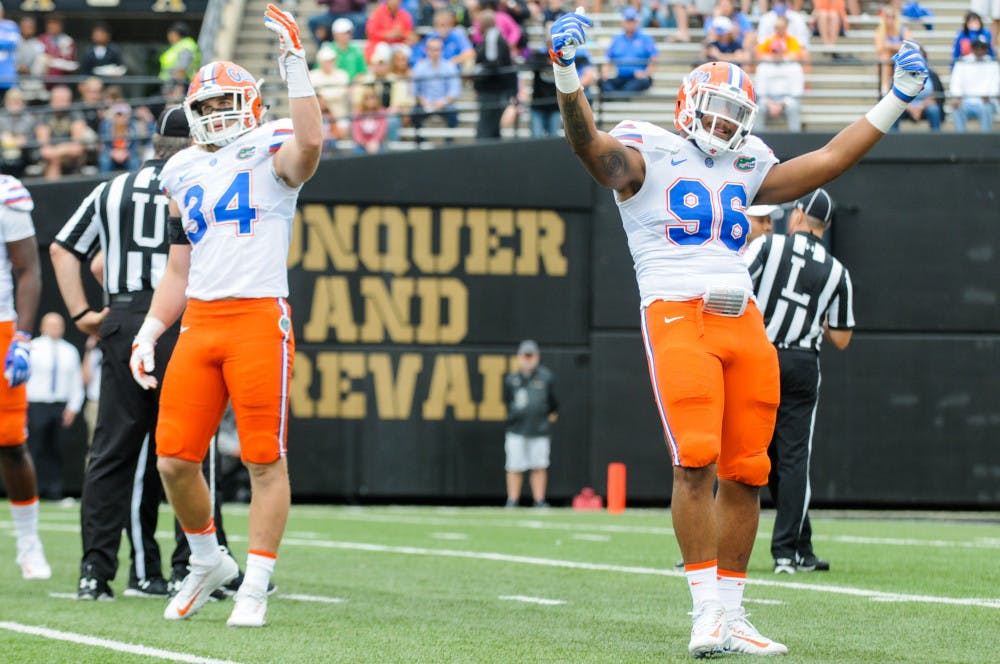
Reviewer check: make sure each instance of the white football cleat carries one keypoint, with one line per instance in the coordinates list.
(31, 558)
(199, 585)
(250, 608)
(708, 630)
(745, 639)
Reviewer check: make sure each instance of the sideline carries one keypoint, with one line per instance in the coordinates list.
(119, 646)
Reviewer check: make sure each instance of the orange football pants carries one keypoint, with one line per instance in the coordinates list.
(241, 350)
(716, 384)
(13, 401)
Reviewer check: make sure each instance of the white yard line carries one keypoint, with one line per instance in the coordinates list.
(628, 569)
(533, 600)
(587, 537)
(313, 598)
(536, 524)
(119, 646)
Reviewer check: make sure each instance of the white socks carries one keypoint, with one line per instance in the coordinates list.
(25, 517)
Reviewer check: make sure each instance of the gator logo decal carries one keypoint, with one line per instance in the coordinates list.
(745, 164)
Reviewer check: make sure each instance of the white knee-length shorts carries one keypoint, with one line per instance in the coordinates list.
(526, 453)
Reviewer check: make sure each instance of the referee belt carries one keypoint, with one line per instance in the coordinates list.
(131, 300)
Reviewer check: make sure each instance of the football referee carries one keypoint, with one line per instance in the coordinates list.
(804, 294)
(125, 221)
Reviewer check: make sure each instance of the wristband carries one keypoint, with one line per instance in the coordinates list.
(566, 79)
(151, 330)
(81, 314)
(297, 78)
(885, 113)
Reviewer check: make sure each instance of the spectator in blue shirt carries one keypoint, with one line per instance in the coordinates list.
(455, 45)
(631, 57)
(10, 37)
(972, 27)
(437, 87)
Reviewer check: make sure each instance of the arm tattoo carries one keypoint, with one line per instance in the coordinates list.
(576, 124)
(614, 164)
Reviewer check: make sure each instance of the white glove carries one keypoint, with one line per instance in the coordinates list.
(291, 54)
(568, 33)
(910, 72)
(143, 360)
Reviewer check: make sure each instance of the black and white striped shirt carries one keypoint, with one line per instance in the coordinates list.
(799, 286)
(126, 217)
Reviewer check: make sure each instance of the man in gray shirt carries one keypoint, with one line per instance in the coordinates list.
(531, 409)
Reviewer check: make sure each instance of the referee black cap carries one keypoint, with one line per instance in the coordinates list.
(818, 204)
(173, 122)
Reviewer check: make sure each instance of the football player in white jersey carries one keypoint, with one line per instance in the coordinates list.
(683, 198)
(18, 306)
(233, 198)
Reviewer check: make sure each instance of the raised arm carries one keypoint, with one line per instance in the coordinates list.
(610, 163)
(797, 177)
(298, 157)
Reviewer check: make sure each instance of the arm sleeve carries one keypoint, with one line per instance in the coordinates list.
(81, 233)
(175, 231)
(76, 395)
(840, 314)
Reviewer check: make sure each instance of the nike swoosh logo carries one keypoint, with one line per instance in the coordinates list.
(675, 162)
(759, 644)
(697, 583)
(187, 607)
(668, 321)
(185, 328)
(715, 634)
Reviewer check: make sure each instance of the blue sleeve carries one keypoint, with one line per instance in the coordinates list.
(651, 50)
(744, 22)
(454, 83)
(462, 41)
(956, 49)
(614, 49)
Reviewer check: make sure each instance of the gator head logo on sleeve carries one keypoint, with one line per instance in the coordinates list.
(745, 164)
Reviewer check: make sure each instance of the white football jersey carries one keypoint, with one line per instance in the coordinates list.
(686, 227)
(15, 224)
(237, 214)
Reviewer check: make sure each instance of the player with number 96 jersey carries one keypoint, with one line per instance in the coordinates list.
(687, 225)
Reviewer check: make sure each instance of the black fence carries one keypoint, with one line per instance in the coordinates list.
(415, 274)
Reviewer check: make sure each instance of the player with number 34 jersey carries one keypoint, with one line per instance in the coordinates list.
(232, 200)
(228, 199)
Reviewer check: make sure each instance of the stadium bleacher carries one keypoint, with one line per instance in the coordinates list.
(838, 90)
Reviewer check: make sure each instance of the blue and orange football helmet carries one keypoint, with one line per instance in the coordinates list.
(717, 91)
(218, 79)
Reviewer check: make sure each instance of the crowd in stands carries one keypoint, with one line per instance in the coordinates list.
(383, 66)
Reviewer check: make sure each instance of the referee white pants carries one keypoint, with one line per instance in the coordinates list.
(526, 452)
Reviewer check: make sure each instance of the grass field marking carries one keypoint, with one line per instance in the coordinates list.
(534, 524)
(538, 524)
(629, 569)
(588, 537)
(750, 600)
(313, 598)
(450, 536)
(71, 596)
(533, 600)
(130, 648)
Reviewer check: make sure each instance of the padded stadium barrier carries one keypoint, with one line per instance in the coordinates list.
(414, 275)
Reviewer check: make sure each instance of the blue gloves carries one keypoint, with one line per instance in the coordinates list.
(17, 363)
(910, 71)
(567, 34)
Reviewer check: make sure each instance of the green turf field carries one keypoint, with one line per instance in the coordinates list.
(423, 584)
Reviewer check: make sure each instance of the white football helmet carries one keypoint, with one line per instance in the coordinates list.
(218, 79)
(717, 90)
